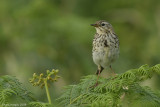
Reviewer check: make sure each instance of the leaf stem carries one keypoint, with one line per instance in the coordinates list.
(47, 91)
(75, 99)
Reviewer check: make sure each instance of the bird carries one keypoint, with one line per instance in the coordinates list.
(105, 45)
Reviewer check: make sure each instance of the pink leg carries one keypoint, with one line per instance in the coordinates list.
(112, 70)
(98, 77)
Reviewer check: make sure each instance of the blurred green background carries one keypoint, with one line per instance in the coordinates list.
(36, 35)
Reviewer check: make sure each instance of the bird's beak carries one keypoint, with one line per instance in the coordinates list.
(95, 25)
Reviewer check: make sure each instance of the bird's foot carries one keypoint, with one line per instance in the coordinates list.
(95, 85)
(114, 76)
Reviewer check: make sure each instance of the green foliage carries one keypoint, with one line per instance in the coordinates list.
(39, 104)
(42, 81)
(41, 34)
(120, 90)
(51, 76)
(5, 94)
(11, 90)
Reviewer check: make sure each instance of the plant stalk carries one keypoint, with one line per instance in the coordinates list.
(47, 91)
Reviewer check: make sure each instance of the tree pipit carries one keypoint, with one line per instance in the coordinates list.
(105, 46)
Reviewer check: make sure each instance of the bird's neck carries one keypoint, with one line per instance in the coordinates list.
(100, 32)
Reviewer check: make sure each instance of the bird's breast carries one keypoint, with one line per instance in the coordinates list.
(105, 49)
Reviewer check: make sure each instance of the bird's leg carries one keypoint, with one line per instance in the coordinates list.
(100, 69)
(112, 70)
(97, 72)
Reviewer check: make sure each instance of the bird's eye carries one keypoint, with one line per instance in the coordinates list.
(103, 24)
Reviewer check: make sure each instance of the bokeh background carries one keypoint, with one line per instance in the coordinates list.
(36, 35)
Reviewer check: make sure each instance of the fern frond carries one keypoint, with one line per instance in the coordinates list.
(39, 104)
(156, 68)
(112, 92)
(10, 87)
(4, 94)
(141, 96)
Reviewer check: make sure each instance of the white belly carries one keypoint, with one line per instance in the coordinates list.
(105, 56)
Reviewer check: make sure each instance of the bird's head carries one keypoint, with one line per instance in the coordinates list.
(102, 26)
